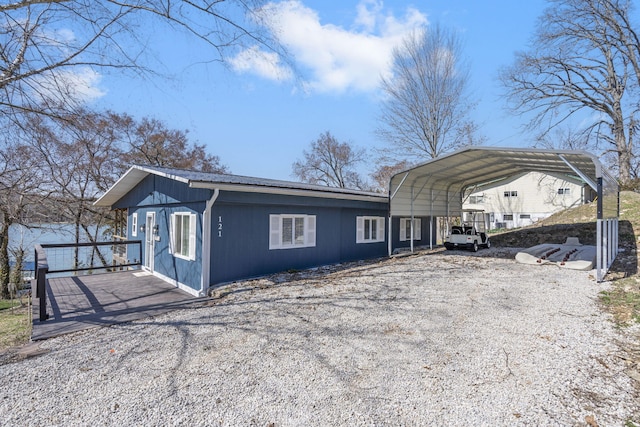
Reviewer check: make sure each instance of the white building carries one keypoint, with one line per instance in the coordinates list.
(527, 198)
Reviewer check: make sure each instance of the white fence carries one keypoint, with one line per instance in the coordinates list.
(606, 246)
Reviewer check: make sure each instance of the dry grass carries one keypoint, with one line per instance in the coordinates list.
(15, 325)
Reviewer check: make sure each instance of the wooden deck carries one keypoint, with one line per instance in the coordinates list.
(81, 302)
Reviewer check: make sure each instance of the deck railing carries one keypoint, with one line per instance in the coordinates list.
(79, 257)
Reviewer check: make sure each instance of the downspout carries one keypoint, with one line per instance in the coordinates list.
(206, 243)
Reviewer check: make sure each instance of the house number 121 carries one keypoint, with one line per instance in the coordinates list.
(219, 226)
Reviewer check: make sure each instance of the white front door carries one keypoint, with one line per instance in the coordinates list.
(149, 241)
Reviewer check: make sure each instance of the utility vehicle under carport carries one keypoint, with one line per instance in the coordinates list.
(435, 189)
(471, 234)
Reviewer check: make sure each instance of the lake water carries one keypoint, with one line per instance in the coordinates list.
(28, 237)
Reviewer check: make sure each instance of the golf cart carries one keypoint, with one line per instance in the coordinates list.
(471, 234)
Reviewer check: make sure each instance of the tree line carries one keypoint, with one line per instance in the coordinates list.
(577, 87)
(54, 168)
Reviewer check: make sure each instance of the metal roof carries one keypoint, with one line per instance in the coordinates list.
(196, 179)
(436, 187)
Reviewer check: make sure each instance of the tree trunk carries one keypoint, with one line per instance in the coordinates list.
(94, 239)
(624, 148)
(4, 260)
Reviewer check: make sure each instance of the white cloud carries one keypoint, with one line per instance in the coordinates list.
(78, 86)
(264, 64)
(333, 59)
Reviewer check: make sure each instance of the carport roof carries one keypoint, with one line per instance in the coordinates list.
(443, 177)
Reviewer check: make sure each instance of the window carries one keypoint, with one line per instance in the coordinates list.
(183, 235)
(525, 216)
(134, 224)
(507, 217)
(476, 199)
(292, 231)
(510, 194)
(405, 229)
(564, 191)
(369, 229)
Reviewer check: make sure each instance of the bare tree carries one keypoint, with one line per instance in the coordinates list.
(331, 163)
(383, 173)
(151, 142)
(583, 65)
(21, 185)
(84, 153)
(425, 112)
(46, 44)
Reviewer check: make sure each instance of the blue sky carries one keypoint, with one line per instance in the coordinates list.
(259, 120)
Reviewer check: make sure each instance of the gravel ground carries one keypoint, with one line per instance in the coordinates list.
(431, 339)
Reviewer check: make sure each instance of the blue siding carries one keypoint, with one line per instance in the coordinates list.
(424, 227)
(240, 230)
(164, 197)
(159, 191)
(240, 245)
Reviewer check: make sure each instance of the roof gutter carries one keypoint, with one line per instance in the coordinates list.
(288, 191)
(207, 221)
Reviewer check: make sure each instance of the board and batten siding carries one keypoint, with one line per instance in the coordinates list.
(165, 197)
(401, 240)
(242, 244)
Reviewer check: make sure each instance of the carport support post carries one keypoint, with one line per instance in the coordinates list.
(411, 237)
(431, 222)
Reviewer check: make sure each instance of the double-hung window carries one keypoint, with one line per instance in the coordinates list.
(564, 191)
(292, 231)
(405, 229)
(510, 194)
(183, 235)
(369, 229)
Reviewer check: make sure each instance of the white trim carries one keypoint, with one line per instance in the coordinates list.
(246, 188)
(192, 236)
(134, 224)
(360, 229)
(181, 286)
(416, 229)
(275, 231)
(205, 276)
(149, 241)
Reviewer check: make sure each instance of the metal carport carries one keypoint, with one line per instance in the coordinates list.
(437, 188)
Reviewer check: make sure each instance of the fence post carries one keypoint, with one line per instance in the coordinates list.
(41, 280)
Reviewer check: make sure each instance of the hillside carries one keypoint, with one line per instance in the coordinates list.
(578, 222)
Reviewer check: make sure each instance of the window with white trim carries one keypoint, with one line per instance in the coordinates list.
(478, 199)
(369, 229)
(134, 224)
(183, 235)
(292, 231)
(525, 216)
(564, 191)
(405, 229)
(510, 194)
(507, 217)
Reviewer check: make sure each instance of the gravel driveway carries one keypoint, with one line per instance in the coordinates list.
(447, 338)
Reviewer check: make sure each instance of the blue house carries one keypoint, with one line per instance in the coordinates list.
(202, 229)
